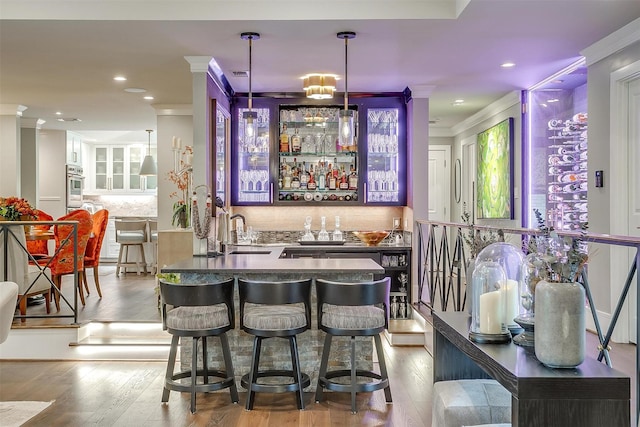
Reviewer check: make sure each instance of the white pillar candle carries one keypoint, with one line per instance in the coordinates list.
(491, 312)
(513, 304)
(174, 143)
(188, 159)
(179, 142)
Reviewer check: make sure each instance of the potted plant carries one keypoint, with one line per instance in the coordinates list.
(179, 218)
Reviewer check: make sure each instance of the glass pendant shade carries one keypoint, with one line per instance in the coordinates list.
(250, 123)
(148, 166)
(345, 124)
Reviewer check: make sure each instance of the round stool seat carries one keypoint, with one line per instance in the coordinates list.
(282, 317)
(197, 318)
(352, 317)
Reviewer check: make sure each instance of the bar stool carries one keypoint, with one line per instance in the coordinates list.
(131, 232)
(275, 309)
(199, 311)
(353, 309)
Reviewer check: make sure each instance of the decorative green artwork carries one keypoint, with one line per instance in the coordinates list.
(495, 174)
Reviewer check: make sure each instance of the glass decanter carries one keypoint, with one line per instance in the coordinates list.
(323, 235)
(337, 234)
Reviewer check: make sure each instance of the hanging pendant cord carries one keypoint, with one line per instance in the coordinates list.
(346, 90)
(250, 71)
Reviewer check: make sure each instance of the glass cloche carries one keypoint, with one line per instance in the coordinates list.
(489, 295)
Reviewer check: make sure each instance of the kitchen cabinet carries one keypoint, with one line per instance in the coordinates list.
(74, 149)
(252, 181)
(221, 138)
(295, 160)
(115, 168)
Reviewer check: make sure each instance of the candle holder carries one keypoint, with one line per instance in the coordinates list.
(490, 295)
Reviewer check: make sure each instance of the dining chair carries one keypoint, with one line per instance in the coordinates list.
(94, 246)
(32, 280)
(40, 248)
(62, 262)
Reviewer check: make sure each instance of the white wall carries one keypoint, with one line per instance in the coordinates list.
(52, 171)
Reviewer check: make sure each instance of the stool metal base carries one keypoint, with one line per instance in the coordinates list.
(172, 383)
(327, 382)
(275, 388)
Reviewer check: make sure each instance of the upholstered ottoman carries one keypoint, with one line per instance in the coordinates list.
(470, 403)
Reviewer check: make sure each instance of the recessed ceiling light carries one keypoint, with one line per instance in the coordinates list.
(508, 64)
(458, 102)
(120, 78)
(557, 81)
(58, 113)
(135, 90)
(552, 100)
(148, 97)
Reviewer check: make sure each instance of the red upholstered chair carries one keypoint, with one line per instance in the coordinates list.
(94, 246)
(62, 262)
(40, 248)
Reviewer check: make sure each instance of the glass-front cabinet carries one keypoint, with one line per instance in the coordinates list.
(252, 178)
(383, 156)
(312, 165)
(116, 168)
(221, 132)
(303, 163)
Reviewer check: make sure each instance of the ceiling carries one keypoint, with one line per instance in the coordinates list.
(63, 55)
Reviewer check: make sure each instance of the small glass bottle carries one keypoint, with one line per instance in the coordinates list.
(323, 235)
(337, 234)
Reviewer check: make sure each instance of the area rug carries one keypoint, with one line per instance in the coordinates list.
(14, 414)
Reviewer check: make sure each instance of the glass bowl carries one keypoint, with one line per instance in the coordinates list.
(371, 238)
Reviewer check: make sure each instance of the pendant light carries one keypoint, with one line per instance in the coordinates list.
(345, 120)
(250, 117)
(148, 164)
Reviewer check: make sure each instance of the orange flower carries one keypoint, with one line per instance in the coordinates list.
(15, 208)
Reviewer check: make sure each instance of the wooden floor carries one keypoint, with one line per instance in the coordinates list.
(123, 393)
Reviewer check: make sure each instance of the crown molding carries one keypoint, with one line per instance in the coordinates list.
(199, 64)
(612, 43)
(12, 109)
(30, 123)
(504, 103)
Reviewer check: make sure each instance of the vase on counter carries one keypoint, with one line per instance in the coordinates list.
(559, 324)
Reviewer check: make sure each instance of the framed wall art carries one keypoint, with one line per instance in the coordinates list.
(495, 171)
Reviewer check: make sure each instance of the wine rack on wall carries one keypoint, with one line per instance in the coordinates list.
(567, 177)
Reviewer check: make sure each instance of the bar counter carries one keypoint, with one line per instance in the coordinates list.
(264, 263)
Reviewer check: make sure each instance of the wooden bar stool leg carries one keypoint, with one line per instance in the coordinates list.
(253, 374)
(295, 361)
(228, 366)
(383, 367)
(353, 375)
(170, 366)
(194, 373)
(326, 349)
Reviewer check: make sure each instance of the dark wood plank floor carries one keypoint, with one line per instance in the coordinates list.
(122, 393)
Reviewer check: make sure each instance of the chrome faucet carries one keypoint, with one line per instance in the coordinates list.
(240, 235)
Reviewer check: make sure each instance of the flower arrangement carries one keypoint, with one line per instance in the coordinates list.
(182, 179)
(476, 239)
(564, 257)
(16, 209)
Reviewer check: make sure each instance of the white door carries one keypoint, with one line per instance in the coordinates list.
(634, 189)
(439, 182)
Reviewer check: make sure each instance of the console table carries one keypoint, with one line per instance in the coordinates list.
(592, 394)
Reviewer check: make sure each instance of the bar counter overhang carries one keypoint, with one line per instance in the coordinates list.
(264, 263)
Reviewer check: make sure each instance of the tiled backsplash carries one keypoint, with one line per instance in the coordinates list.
(127, 205)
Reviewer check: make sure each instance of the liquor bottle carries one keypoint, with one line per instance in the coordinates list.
(284, 139)
(295, 142)
(311, 185)
(322, 179)
(286, 179)
(304, 178)
(331, 179)
(353, 179)
(344, 181)
(295, 178)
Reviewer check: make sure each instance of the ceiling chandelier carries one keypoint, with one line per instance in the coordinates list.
(345, 120)
(250, 117)
(319, 86)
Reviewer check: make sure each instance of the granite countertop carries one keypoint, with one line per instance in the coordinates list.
(256, 259)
